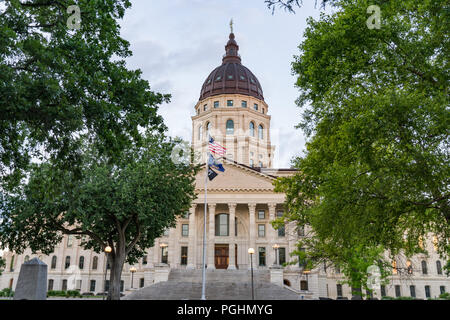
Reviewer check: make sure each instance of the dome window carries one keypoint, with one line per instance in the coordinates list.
(230, 77)
(244, 104)
(205, 107)
(242, 78)
(252, 80)
(230, 127)
(255, 106)
(218, 78)
(260, 132)
(209, 81)
(216, 104)
(229, 103)
(252, 130)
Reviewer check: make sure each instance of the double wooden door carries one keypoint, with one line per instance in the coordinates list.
(221, 256)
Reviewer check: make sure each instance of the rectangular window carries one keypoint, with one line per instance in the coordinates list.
(261, 214)
(92, 286)
(427, 292)
(205, 107)
(442, 289)
(383, 291)
(121, 285)
(106, 286)
(397, 291)
(255, 106)
(282, 255)
(50, 285)
(261, 230)
(262, 256)
(222, 225)
(229, 103)
(164, 254)
(235, 227)
(69, 241)
(244, 104)
(304, 285)
(64, 285)
(339, 290)
(141, 283)
(144, 260)
(301, 231)
(263, 110)
(216, 104)
(184, 255)
(185, 230)
(412, 290)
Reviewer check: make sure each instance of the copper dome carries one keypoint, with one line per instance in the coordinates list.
(231, 77)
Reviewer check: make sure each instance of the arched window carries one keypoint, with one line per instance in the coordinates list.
(200, 132)
(81, 263)
(11, 265)
(260, 132)
(208, 129)
(394, 267)
(286, 282)
(424, 267)
(67, 264)
(95, 263)
(27, 258)
(222, 224)
(53, 265)
(438, 267)
(230, 126)
(252, 129)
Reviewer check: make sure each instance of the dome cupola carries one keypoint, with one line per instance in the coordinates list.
(231, 77)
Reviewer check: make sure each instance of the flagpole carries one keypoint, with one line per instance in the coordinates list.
(204, 232)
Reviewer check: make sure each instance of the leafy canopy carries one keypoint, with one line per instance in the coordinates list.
(375, 104)
(125, 205)
(60, 87)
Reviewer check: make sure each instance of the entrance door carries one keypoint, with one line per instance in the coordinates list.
(221, 259)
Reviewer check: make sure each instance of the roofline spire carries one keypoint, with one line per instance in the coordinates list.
(231, 25)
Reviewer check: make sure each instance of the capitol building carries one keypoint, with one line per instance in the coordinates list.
(241, 203)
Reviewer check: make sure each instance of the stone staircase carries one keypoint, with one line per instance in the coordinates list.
(220, 285)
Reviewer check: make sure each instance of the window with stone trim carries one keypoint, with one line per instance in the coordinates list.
(282, 255)
(339, 290)
(67, 262)
(94, 263)
(184, 256)
(53, 264)
(261, 214)
(50, 284)
(81, 263)
(262, 256)
(438, 267)
(261, 230)
(412, 291)
(141, 282)
(424, 267)
(92, 286)
(303, 285)
(185, 230)
(397, 291)
(427, 292)
(222, 225)
(64, 285)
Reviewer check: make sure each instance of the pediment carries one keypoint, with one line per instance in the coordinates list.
(236, 178)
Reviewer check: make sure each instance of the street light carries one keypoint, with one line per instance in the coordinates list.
(132, 270)
(275, 247)
(251, 251)
(108, 250)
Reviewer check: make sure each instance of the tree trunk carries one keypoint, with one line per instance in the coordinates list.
(117, 261)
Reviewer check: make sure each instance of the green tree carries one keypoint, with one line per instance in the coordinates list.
(124, 205)
(375, 173)
(60, 85)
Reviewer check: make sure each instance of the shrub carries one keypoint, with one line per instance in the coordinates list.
(7, 292)
(445, 296)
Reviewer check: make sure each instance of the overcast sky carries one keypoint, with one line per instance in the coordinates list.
(177, 43)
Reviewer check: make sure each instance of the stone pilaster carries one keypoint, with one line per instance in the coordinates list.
(211, 237)
(272, 234)
(192, 232)
(252, 228)
(232, 253)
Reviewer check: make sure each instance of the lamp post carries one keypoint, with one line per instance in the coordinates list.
(163, 246)
(275, 247)
(251, 251)
(132, 270)
(108, 250)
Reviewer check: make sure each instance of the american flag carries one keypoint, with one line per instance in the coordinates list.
(216, 148)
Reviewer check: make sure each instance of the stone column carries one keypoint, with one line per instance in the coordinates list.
(272, 235)
(192, 233)
(252, 229)
(211, 237)
(231, 250)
